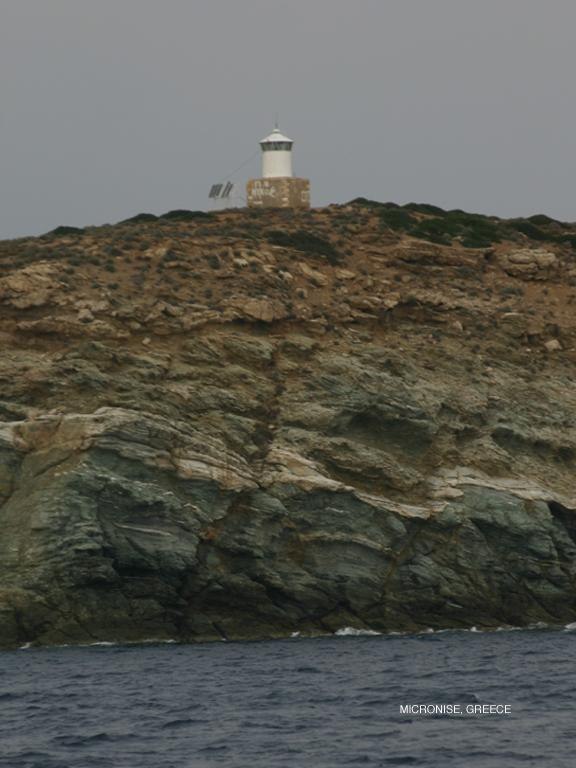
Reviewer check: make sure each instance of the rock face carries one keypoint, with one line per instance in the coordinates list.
(394, 457)
(529, 263)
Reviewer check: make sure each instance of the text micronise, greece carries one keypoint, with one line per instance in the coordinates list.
(456, 709)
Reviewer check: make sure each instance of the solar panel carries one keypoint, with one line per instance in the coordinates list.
(215, 190)
(227, 189)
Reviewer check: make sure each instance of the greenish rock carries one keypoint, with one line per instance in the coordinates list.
(218, 490)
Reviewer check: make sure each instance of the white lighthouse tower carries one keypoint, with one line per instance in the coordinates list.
(276, 156)
(278, 188)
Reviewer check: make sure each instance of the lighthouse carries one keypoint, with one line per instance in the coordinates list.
(277, 187)
(276, 156)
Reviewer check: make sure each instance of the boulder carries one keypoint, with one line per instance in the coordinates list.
(32, 286)
(529, 263)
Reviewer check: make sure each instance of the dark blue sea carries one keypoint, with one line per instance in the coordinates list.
(298, 703)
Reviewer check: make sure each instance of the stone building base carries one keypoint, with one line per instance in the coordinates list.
(287, 192)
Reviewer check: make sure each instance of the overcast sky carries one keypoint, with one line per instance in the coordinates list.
(113, 107)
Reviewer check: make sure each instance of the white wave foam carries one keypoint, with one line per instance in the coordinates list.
(488, 630)
(145, 641)
(354, 632)
(570, 627)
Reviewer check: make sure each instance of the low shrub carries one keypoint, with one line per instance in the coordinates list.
(397, 218)
(438, 226)
(140, 218)
(529, 229)
(307, 242)
(473, 230)
(67, 231)
(541, 220)
(425, 208)
(569, 239)
(183, 215)
(366, 203)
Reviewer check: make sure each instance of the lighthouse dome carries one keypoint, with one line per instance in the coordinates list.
(275, 136)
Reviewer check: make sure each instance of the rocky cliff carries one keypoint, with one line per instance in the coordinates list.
(250, 423)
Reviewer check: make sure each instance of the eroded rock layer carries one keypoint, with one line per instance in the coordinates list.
(213, 430)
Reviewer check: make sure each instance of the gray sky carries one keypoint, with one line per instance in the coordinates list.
(113, 107)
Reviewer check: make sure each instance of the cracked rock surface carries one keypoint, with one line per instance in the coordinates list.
(385, 443)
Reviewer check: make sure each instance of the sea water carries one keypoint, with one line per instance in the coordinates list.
(349, 700)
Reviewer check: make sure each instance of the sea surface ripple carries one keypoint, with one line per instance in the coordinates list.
(299, 703)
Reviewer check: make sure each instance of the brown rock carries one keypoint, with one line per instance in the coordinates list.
(313, 275)
(529, 263)
(553, 345)
(264, 309)
(345, 274)
(32, 286)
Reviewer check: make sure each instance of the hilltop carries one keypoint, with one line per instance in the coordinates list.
(250, 423)
(343, 264)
